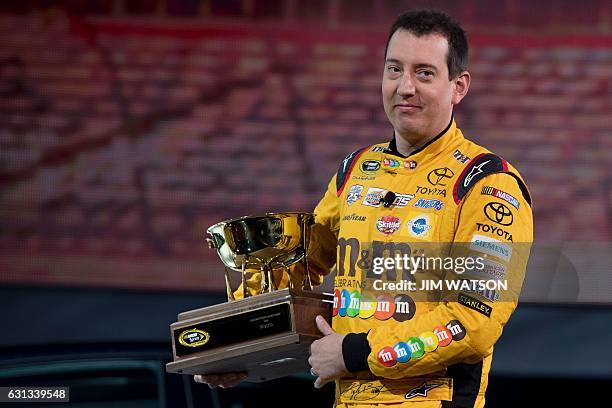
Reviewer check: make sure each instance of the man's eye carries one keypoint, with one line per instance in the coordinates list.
(425, 74)
(393, 69)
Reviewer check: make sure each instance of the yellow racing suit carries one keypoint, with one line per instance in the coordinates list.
(406, 347)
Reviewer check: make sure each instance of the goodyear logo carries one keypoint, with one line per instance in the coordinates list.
(194, 338)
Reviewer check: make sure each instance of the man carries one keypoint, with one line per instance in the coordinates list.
(427, 186)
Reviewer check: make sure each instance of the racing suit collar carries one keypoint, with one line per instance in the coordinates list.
(437, 144)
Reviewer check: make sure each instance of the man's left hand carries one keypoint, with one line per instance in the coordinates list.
(326, 355)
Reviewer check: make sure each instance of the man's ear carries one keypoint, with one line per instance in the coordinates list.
(461, 85)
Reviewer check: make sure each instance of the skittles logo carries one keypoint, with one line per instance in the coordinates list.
(416, 347)
(382, 307)
(388, 224)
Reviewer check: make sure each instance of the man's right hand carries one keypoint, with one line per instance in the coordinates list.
(221, 380)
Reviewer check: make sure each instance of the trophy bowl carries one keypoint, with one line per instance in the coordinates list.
(267, 335)
(262, 243)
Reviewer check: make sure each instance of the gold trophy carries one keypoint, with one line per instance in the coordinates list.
(267, 335)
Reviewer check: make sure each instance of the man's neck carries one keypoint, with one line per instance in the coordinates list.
(406, 148)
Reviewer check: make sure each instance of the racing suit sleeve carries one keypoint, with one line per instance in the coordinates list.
(321, 248)
(463, 327)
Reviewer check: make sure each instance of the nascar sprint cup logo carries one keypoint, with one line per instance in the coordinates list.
(388, 224)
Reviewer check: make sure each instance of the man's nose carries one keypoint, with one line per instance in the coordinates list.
(406, 87)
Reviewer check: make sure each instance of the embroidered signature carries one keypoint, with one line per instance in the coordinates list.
(362, 392)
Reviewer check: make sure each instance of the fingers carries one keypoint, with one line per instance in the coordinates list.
(323, 326)
(220, 380)
(320, 382)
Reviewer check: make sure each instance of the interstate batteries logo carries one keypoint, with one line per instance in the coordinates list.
(388, 224)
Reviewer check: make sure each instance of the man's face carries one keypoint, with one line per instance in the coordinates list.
(418, 95)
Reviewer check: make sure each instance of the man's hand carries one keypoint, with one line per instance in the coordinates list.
(326, 355)
(220, 380)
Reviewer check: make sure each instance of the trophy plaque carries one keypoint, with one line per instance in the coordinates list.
(266, 335)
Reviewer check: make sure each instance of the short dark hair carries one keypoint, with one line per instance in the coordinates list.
(423, 22)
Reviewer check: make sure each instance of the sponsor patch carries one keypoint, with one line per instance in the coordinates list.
(491, 294)
(492, 191)
(354, 194)
(362, 177)
(474, 171)
(410, 164)
(374, 195)
(421, 390)
(354, 217)
(416, 347)
(492, 229)
(388, 224)
(498, 213)
(370, 166)
(402, 200)
(439, 177)
(387, 356)
(379, 149)
(490, 270)
(475, 304)
(460, 157)
(392, 163)
(402, 351)
(420, 226)
(427, 204)
(479, 167)
(431, 191)
(491, 246)
(193, 338)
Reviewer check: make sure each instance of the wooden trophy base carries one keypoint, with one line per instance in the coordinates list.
(268, 336)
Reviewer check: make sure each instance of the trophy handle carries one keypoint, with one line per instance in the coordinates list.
(306, 284)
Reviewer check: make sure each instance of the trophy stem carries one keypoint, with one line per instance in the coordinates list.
(228, 286)
(289, 280)
(269, 277)
(245, 291)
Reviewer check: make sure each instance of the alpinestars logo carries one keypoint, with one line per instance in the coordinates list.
(421, 390)
(476, 170)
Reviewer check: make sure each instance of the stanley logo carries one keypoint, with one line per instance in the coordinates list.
(194, 338)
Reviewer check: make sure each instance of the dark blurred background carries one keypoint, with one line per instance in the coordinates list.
(129, 127)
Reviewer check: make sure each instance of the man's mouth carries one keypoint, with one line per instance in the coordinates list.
(407, 107)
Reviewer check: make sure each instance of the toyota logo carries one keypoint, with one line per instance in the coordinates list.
(499, 213)
(436, 176)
